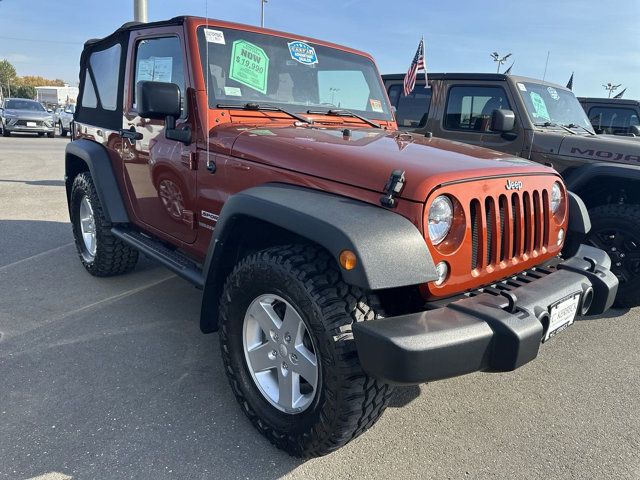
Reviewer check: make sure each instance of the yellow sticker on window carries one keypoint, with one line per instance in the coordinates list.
(249, 65)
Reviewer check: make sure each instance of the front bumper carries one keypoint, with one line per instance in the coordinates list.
(499, 329)
(13, 127)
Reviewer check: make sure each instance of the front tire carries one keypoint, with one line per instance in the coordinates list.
(325, 407)
(616, 230)
(101, 253)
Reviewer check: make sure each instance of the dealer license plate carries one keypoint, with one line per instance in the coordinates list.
(562, 314)
(32, 124)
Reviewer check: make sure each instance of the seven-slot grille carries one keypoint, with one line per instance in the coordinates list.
(509, 226)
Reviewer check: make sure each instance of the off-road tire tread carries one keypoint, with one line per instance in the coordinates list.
(113, 256)
(628, 295)
(359, 400)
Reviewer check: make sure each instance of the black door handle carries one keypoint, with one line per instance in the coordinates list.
(130, 134)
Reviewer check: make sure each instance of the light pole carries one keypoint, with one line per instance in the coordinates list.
(262, 2)
(140, 11)
(611, 88)
(499, 60)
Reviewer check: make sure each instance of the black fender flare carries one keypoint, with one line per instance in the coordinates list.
(390, 250)
(579, 220)
(97, 159)
(578, 178)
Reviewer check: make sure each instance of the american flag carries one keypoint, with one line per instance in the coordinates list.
(416, 65)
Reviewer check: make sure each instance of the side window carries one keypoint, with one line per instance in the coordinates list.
(469, 108)
(613, 120)
(89, 98)
(394, 93)
(411, 110)
(160, 60)
(105, 65)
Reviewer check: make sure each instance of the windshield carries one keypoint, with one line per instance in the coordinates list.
(546, 104)
(13, 104)
(292, 74)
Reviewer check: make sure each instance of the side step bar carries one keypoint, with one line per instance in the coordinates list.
(173, 260)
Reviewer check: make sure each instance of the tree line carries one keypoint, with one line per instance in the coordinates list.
(23, 87)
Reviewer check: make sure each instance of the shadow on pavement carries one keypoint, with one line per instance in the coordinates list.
(126, 387)
(41, 183)
(20, 239)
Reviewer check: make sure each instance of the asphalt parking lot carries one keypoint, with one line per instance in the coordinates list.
(111, 378)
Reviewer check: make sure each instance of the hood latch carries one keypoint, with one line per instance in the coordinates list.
(393, 188)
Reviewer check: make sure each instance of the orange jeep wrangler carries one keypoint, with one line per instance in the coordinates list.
(337, 256)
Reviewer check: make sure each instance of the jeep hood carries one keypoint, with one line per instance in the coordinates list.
(366, 157)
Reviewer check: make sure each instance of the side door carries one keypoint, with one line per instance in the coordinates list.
(467, 116)
(160, 173)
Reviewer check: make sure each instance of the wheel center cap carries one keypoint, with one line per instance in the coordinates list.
(283, 350)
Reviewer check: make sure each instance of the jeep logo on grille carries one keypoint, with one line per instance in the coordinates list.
(511, 185)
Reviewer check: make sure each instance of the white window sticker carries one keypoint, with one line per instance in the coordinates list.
(162, 69)
(214, 36)
(157, 69)
(553, 93)
(522, 87)
(145, 70)
(233, 91)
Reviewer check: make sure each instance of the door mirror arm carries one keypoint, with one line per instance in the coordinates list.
(182, 134)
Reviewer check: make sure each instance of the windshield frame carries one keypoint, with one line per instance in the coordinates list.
(583, 124)
(376, 82)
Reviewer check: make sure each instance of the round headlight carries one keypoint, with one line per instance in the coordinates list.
(556, 197)
(439, 219)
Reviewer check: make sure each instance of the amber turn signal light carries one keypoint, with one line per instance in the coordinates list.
(348, 260)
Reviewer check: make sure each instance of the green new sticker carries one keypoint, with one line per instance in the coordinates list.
(540, 106)
(249, 65)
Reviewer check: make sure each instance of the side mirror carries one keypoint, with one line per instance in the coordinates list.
(158, 99)
(503, 120)
(634, 130)
(49, 110)
(161, 100)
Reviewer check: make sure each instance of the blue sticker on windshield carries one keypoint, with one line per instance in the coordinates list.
(303, 53)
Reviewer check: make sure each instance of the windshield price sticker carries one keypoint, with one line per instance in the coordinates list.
(376, 105)
(539, 106)
(522, 87)
(249, 65)
(303, 53)
(214, 36)
(553, 93)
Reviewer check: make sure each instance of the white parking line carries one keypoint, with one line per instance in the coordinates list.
(33, 257)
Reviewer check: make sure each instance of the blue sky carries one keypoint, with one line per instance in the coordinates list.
(601, 43)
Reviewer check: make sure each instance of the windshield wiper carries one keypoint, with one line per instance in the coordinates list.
(549, 124)
(267, 108)
(341, 112)
(573, 125)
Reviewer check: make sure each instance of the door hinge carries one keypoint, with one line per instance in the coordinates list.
(190, 159)
(188, 217)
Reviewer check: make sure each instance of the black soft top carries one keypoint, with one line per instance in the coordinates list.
(129, 26)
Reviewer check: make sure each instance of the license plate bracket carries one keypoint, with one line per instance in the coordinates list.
(562, 314)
